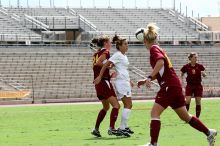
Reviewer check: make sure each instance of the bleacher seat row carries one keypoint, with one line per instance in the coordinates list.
(65, 73)
(29, 22)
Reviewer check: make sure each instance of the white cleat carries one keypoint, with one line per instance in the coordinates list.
(211, 137)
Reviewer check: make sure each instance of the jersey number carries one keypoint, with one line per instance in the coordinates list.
(95, 59)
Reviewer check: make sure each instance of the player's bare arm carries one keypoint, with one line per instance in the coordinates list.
(101, 60)
(153, 74)
(104, 67)
(204, 74)
(132, 84)
(157, 68)
(181, 76)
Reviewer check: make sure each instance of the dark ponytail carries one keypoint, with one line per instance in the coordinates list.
(118, 41)
(94, 42)
(100, 41)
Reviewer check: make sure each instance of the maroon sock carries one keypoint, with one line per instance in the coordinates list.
(113, 117)
(154, 130)
(197, 124)
(187, 107)
(100, 117)
(198, 110)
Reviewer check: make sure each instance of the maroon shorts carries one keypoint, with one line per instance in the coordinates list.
(104, 90)
(170, 96)
(195, 90)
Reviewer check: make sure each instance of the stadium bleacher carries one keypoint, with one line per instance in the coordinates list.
(124, 21)
(55, 18)
(66, 73)
(12, 29)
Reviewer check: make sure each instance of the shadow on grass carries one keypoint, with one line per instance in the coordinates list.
(105, 138)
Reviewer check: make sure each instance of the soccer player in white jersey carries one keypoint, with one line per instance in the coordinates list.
(122, 83)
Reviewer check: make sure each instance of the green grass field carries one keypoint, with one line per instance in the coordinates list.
(70, 125)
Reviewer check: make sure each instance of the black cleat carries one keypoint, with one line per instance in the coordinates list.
(123, 132)
(96, 133)
(114, 132)
(129, 130)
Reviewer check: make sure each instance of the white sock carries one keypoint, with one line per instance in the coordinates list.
(124, 118)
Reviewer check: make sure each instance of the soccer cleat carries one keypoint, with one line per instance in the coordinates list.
(211, 137)
(96, 133)
(114, 132)
(123, 132)
(129, 130)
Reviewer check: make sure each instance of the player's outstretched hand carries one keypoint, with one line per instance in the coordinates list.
(140, 83)
(113, 75)
(132, 84)
(148, 83)
(97, 80)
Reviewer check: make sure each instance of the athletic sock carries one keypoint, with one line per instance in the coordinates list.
(154, 130)
(100, 117)
(197, 124)
(124, 118)
(198, 110)
(113, 117)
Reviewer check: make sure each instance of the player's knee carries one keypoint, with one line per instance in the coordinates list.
(106, 108)
(128, 105)
(155, 114)
(188, 100)
(198, 101)
(185, 118)
(117, 105)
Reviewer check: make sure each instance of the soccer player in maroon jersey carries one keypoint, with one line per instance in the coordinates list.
(194, 87)
(170, 93)
(104, 89)
(123, 84)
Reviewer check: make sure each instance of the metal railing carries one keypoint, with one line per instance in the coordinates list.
(83, 22)
(195, 22)
(198, 24)
(34, 21)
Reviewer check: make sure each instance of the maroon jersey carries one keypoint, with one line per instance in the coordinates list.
(193, 73)
(96, 68)
(166, 76)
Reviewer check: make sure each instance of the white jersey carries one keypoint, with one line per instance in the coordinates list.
(122, 82)
(121, 65)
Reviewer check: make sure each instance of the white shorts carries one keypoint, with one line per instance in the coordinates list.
(123, 88)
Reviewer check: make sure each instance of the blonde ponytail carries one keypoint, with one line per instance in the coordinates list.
(151, 32)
